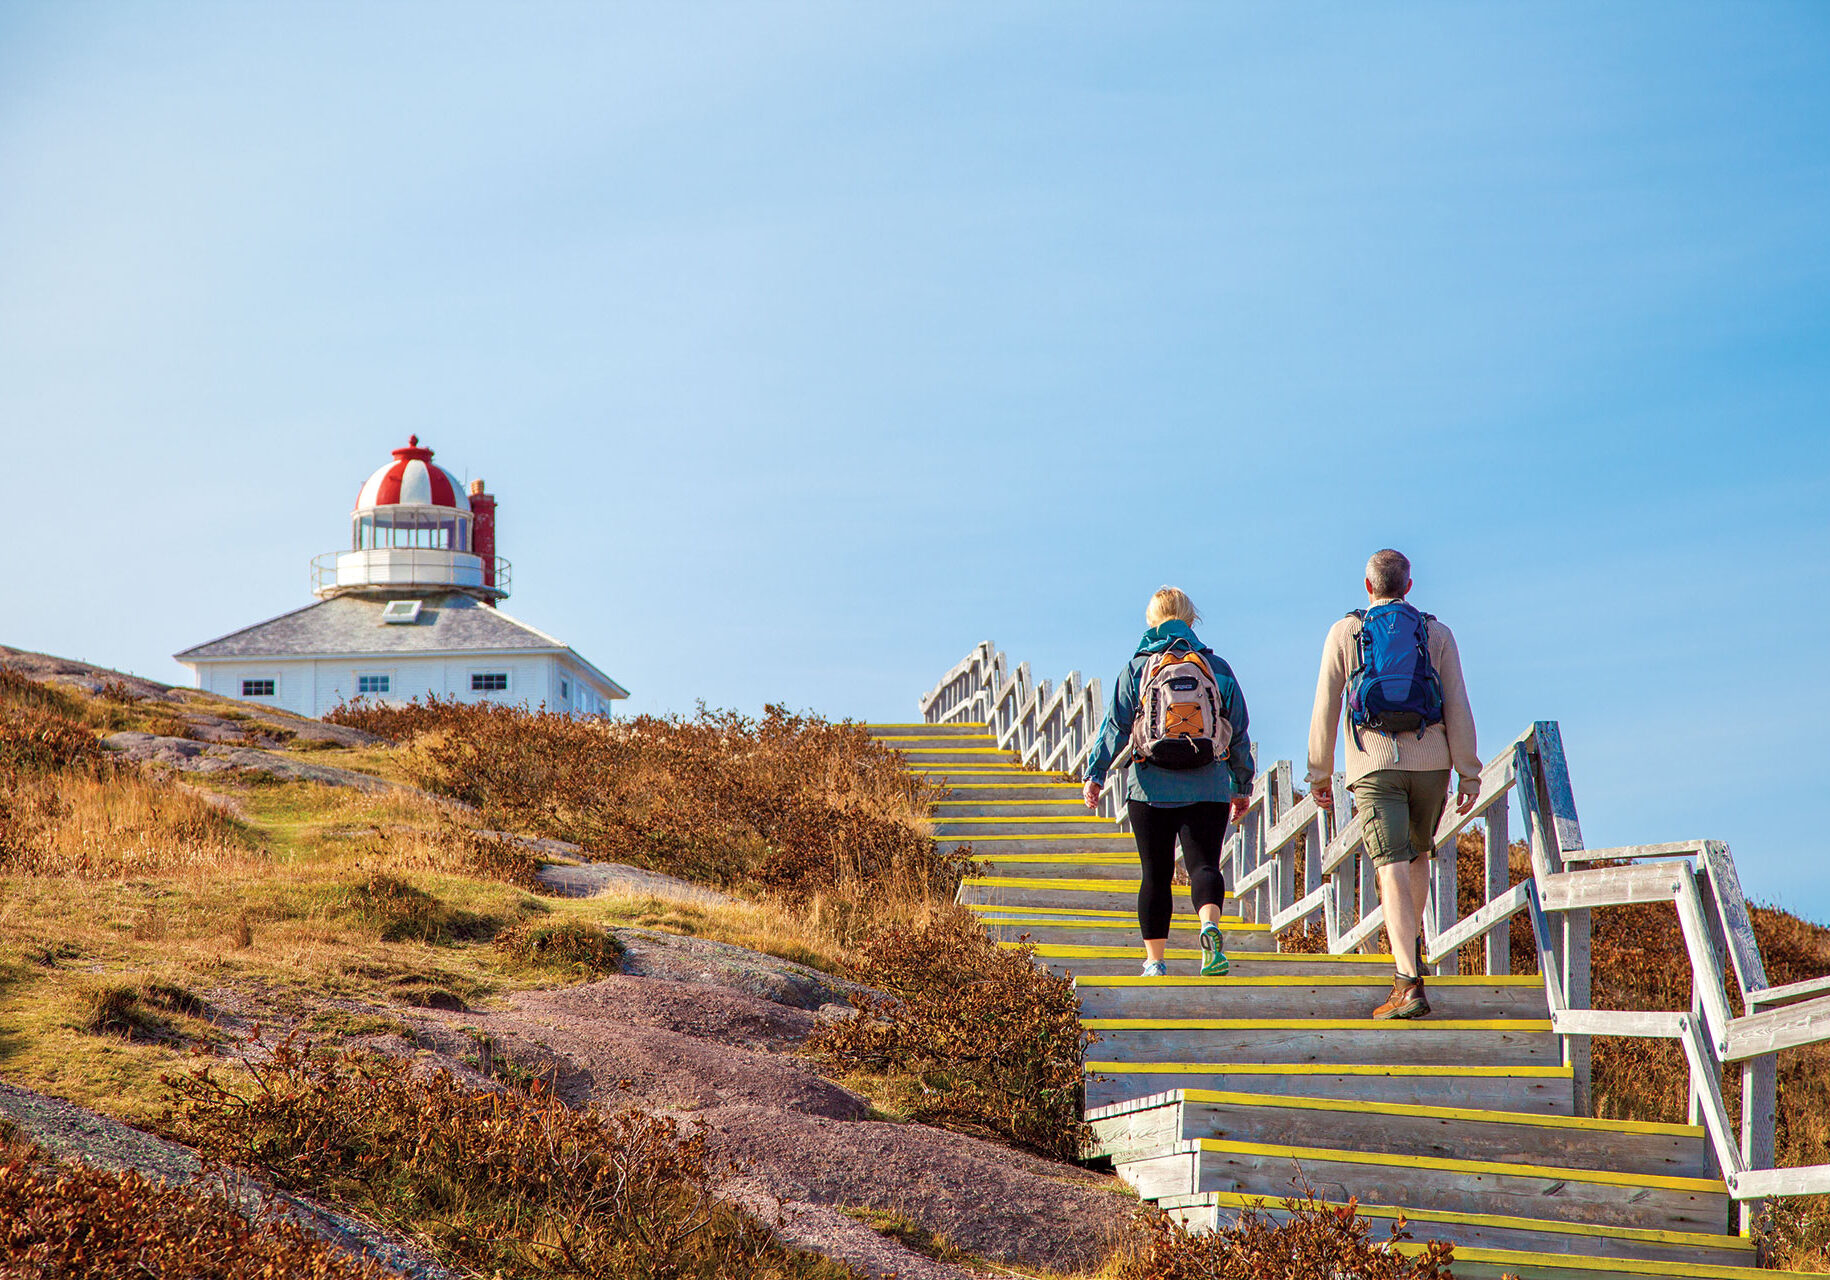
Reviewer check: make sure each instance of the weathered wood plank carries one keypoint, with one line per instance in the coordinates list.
(1705, 1073)
(1498, 860)
(1308, 905)
(1442, 911)
(1789, 1027)
(1629, 852)
(1772, 997)
(1495, 913)
(1708, 981)
(1562, 800)
(1616, 1022)
(1364, 932)
(1547, 958)
(1349, 839)
(1759, 1110)
(1761, 1184)
(1609, 887)
(1718, 867)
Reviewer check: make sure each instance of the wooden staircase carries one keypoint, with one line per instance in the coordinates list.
(1209, 1095)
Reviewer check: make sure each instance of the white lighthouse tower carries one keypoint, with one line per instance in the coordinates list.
(409, 610)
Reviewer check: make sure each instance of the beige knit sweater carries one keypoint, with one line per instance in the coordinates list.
(1443, 746)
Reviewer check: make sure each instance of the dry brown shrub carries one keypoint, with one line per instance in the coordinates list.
(72, 1220)
(565, 944)
(510, 1183)
(986, 1040)
(787, 806)
(400, 721)
(1315, 1241)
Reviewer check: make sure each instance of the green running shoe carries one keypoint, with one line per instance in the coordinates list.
(1213, 960)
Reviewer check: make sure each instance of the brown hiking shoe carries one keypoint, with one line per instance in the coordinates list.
(1405, 1001)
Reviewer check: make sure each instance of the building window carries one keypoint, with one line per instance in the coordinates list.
(489, 681)
(258, 688)
(565, 690)
(371, 684)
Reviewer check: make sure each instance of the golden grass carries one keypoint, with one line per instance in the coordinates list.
(114, 822)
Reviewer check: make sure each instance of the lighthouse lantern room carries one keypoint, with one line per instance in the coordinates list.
(410, 610)
(415, 526)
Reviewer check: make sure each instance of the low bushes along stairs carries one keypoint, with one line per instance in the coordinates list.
(1212, 1094)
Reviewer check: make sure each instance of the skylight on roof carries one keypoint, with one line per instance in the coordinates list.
(401, 611)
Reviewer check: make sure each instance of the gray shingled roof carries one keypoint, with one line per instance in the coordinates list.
(352, 624)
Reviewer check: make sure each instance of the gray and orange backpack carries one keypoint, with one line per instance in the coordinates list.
(1180, 723)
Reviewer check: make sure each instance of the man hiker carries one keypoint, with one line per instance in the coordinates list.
(1409, 723)
(1182, 718)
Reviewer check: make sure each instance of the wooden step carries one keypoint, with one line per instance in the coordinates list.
(993, 913)
(1548, 1090)
(927, 759)
(1066, 807)
(1031, 786)
(970, 728)
(1454, 1185)
(1361, 1041)
(1104, 893)
(1593, 1244)
(1045, 827)
(1185, 961)
(1237, 936)
(912, 742)
(1128, 1130)
(1069, 842)
(1055, 864)
(1339, 996)
(1508, 1264)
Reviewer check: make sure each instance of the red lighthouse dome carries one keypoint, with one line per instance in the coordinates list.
(412, 479)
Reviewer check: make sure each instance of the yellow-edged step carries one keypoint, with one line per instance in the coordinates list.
(1326, 1069)
(1315, 1024)
(1293, 1102)
(1554, 1226)
(1299, 980)
(1442, 1164)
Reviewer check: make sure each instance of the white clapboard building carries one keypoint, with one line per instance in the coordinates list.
(408, 611)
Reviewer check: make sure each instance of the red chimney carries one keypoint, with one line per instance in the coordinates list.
(483, 531)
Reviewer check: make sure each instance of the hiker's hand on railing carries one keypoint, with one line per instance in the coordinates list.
(1236, 807)
(1467, 794)
(1090, 793)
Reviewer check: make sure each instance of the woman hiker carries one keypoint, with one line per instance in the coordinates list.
(1179, 707)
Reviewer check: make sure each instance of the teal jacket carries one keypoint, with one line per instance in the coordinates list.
(1229, 776)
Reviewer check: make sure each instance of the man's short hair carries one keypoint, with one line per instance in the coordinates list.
(1389, 573)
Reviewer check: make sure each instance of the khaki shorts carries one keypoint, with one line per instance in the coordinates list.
(1402, 808)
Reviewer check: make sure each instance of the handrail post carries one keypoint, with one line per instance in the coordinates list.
(1499, 878)
(1283, 879)
(1445, 884)
(1759, 1099)
(1340, 916)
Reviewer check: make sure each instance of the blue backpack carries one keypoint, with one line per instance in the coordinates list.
(1393, 687)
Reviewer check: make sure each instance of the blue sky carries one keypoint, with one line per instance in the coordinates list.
(808, 345)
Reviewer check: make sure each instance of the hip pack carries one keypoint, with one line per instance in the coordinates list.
(1179, 723)
(1393, 687)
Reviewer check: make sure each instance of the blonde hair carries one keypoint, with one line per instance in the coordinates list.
(1170, 602)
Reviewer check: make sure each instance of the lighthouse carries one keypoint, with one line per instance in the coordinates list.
(410, 609)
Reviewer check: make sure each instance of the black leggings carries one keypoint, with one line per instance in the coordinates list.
(1202, 827)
